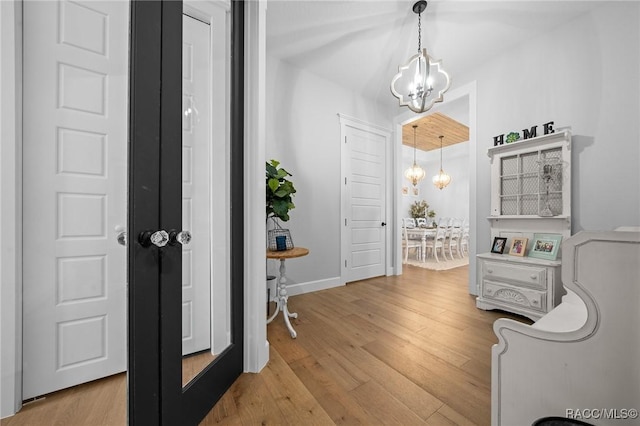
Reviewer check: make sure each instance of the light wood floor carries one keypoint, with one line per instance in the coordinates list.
(408, 350)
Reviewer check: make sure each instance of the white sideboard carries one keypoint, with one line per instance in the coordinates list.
(526, 286)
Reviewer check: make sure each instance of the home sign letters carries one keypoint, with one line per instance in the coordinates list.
(526, 134)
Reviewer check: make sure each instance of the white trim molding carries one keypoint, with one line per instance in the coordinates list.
(10, 207)
(311, 286)
(256, 346)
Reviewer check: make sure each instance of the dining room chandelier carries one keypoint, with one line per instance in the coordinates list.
(441, 179)
(414, 173)
(420, 82)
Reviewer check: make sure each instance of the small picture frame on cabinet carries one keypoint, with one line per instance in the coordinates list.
(545, 246)
(518, 246)
(498, 245)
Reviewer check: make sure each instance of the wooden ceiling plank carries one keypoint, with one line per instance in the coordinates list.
(430, 128)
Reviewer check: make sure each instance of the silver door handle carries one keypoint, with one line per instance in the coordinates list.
(122, 238)
(121, 235)
(159, 238)
(181, 237)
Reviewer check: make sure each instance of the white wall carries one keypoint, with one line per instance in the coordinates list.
(583, 75)
(303, 133)
(451, 201)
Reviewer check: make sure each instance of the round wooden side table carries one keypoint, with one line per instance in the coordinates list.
(282, 297)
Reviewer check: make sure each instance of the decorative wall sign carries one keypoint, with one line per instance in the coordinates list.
(526, 134)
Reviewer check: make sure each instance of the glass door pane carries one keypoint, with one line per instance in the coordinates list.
(205, 171)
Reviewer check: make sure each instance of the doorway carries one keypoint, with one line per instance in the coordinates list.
(466, 93)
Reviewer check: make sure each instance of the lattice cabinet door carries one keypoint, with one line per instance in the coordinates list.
(532, 178)
(525, 188)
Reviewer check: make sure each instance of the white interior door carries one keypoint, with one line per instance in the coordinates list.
(196, 178)
(75, 192)
(364, 202)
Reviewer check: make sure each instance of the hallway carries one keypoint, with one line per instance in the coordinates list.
(410, 349)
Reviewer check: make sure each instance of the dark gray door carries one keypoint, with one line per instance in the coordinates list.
(156, 394)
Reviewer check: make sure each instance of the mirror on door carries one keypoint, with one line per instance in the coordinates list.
(205, 182)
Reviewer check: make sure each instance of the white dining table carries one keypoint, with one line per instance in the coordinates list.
(422, 233)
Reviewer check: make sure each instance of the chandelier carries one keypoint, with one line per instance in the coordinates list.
(414, 173)
(441, 179)
(420, 82)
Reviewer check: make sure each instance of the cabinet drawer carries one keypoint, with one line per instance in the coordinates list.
(517, 296)
(533, 276)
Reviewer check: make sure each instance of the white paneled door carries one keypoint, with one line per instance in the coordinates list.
(75, 192)
(196, 216)
(364, 202)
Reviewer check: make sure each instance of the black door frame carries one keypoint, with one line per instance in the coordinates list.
(156, 395)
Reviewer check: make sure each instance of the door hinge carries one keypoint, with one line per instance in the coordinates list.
(345, 139)
(345, 180)
(345, 222)
(345, 263)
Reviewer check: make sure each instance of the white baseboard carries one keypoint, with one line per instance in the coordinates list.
(311, 286)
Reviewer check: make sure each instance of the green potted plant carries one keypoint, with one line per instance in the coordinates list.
(279, 191)
(421, 209)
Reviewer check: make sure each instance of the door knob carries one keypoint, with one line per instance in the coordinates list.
(159, 238)
(384, 223)
(121, 235)
(122, 238)
(182, 237)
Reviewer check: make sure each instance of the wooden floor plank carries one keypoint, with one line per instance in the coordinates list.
(296, 403)
(336, 401)
(386, 409)
(410, 349)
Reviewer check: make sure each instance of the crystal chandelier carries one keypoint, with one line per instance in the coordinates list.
(420, 82)
(414, 173)
(441, 179)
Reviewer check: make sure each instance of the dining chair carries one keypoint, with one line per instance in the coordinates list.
(453, 241)
(437, 242)
(464, 238)
(409, 243)
(444, 222)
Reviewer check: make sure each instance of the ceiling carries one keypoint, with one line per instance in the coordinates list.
(359, 44)
(429, 129)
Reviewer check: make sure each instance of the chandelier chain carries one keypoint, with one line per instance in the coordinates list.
(419, 33)
(414, 144)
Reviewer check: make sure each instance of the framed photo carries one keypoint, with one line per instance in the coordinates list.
(498, 245)
(518, 246)
(545, 246)
(405, 190)
(415, 191)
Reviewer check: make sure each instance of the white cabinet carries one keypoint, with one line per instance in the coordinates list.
(530, 194)
(529, 287)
